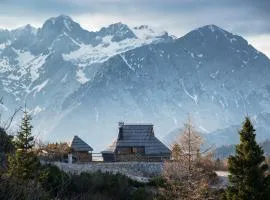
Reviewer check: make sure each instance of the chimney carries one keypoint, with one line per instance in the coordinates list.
(120, 135)
(120, 124)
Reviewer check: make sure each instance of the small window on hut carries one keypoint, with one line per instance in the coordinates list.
(124, 150)
(134, 150)
(138, 150)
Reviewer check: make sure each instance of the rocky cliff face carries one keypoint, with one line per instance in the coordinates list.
(76, 81)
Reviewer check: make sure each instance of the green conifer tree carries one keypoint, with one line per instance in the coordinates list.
(248, 179)
(24, 164)
(24, 139)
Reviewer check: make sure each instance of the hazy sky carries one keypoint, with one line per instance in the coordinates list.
(248, 18)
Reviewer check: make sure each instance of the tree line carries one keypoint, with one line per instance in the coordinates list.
(23, 177)
(190, 174)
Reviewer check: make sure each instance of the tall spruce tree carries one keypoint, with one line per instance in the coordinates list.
(248, 179)
(24, 164)
(24, 140)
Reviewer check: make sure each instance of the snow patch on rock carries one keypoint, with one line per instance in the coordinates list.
(81, 77)
(39, 87)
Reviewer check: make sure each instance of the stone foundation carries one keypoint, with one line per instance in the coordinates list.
(140, 171)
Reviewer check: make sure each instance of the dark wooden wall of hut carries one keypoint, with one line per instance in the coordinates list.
(83, 156)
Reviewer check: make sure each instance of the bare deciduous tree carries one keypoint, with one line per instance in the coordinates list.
(6, 123)
(186, 175)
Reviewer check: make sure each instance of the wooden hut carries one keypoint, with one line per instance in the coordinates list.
(136, 142)
(81, 151)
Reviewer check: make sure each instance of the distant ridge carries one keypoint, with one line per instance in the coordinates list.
(76, 80)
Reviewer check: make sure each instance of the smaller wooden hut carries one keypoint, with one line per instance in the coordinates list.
(81, 151)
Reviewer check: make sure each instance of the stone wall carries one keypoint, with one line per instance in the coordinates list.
(140, 171)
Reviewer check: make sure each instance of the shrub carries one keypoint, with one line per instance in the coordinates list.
(53, 180)
(12, 188)
(157, 181)
(142, 193)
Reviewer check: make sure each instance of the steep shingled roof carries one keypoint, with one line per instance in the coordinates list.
(132, 135)
(79, 145)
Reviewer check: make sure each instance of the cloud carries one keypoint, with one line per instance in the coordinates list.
(259, 42)
(248, 18)
(245, 17)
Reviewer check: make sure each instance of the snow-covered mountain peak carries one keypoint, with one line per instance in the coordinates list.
(27, 29)
(3, 30)
(119, 26)
(118, 30)
(210, 31)
(145, 74)
(60, 24)
(201, 39)
(147, 32)
(213, 28)
(115, 39)
(214, 33)
(60, 34)
(60, 18)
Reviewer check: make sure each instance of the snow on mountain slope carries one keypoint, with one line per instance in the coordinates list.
(212, 74)
(42, 66)
(146, 32)
(108, 46)
(61, 35)
(88, 54)
(81, 82)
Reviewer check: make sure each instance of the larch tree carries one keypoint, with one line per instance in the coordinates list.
(185, 176)
(249, 173)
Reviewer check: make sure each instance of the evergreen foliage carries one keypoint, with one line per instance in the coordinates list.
(97, 185)
(12, 188)
(24, 139)
(108, 185)
(53, 180)
(24, 164)
(248, 171)
(6, 145)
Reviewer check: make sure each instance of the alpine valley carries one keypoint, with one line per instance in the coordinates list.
(80, 82)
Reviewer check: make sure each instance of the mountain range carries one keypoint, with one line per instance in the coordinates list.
(78, 82)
